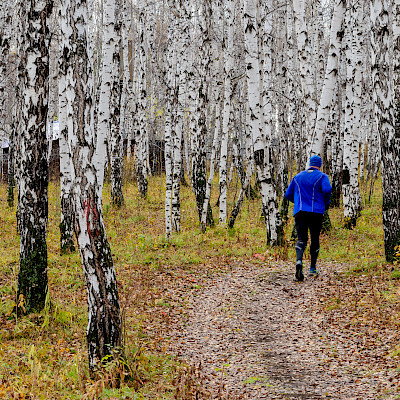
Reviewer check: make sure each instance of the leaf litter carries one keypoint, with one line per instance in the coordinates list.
(255, 333)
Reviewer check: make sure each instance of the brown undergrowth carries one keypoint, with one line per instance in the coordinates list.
(44, 355)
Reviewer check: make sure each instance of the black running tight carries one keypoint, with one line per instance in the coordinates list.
(308, 221)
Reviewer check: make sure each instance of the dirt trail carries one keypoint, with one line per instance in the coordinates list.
(260, 335)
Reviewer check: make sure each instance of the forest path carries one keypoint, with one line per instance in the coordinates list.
(258, 334)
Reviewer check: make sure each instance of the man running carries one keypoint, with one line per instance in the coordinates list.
(310, 191)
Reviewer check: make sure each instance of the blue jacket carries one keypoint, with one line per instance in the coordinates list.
(310, 190)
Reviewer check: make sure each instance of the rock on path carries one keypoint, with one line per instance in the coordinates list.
(258, 334)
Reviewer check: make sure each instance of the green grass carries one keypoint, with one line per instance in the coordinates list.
(44, 356)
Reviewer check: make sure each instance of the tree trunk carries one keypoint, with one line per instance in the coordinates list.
(304, 53)
(211, 174)
(229, 6)
(65, 114)
(199, 135)
(262, 153)
(11, 169)
(116, 129)
(351, 191)
(384, 114)
(239, 202)
(142, 133)
(33, 180)
(168, 169)
(170, 113)
(104, 320)
(330, 81)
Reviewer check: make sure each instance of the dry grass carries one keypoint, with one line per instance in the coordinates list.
(44, 356)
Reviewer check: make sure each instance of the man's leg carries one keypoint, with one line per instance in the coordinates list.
(315, 230)
(302, 237)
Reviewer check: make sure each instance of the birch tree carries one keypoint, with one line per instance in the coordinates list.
(292, 89)
(330, 80)
(7, 79)
(142, 134)
(176, 75)
(108, 128)
(199, 178)
(262, 154)
(33, 177)
(304, 54)
(116, 130)
(229, 8)
(172, 88)
(214, 114)
(206, 203)
(384, 114)
(5, 42)
(104, 320)
(351, 192)
(168, 167)
(337, 150)
(182, 76)
(65, 120)
(127, 100)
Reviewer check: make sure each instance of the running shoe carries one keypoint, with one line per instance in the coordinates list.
(299, 272)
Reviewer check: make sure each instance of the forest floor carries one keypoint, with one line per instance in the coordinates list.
(209, 315)
(258, 334)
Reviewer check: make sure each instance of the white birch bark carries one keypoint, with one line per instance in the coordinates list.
(4, 53)
(396, 63)
(211, 173)
(269, 123)
(109, 43)
(382, 80)
(142, 133)
(183, 50)
(65, 120)
(127, 105)
(177, 164)
(367, 113)
(175, 78)
(281, 122)
(248, 137)
(54, 56)
(116, 130)
(351, 195)
(34, 19)
(330, 81)
(290, 92)
(200, 133)
(304, 54)
(357, 43)
(319, 49)
(192, 100)
(6, 32)
(262, 155)
(168, 169)
(228, 69)
(104, 321)
(350, 219)
(170, 110)
(336, 149)
(215, 104)
(8, 101)
(253, 74)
